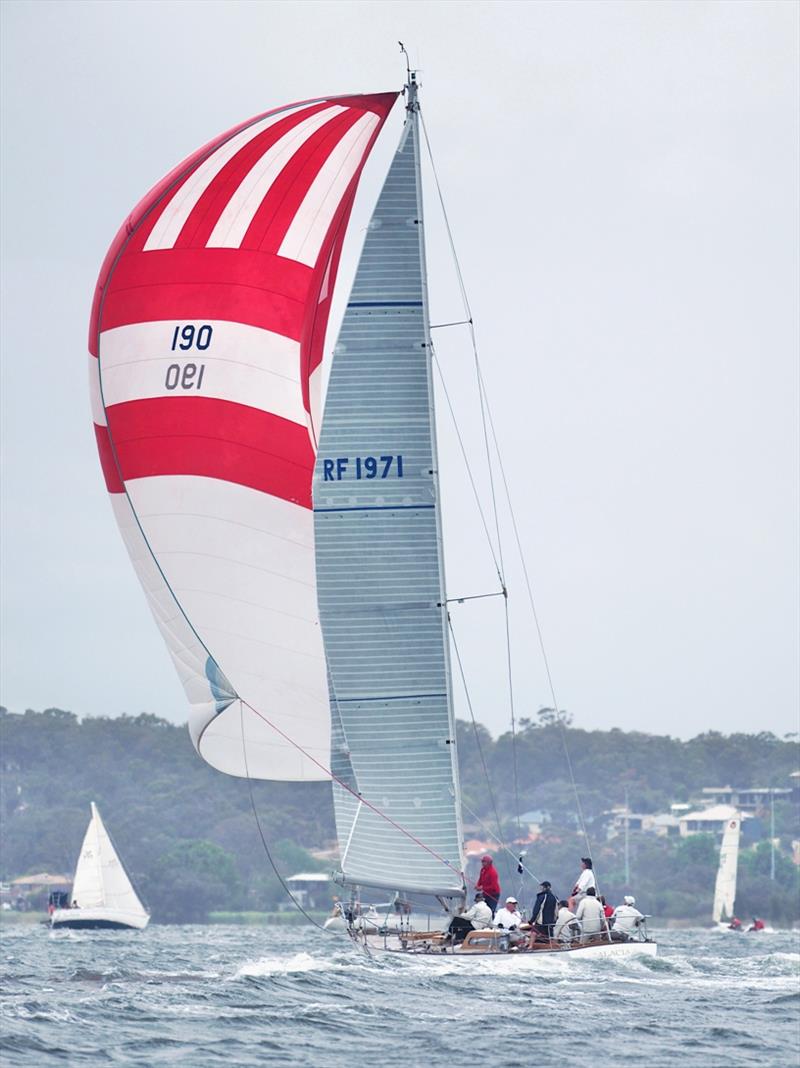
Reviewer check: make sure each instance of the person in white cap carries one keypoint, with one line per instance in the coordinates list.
(509, 915)
(626, 918)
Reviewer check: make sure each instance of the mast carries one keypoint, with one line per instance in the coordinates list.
(627, 854)
(412, 107)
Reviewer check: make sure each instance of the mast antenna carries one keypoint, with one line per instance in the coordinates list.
(411, 86)
(408, 61)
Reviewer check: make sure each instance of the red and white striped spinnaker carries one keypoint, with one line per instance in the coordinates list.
(206, 343)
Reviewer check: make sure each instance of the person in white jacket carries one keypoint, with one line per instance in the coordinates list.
(477, 918)
(586, 879)
(509, 915)
(566, 926)
(591, 915)
(626, 918)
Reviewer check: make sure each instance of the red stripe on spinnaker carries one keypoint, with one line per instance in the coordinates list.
(214, 439)
(248, 287)
(277, 211)
(207, 211)
(107, 461)
(318, 304)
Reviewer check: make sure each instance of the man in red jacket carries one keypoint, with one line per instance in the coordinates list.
(489, 882)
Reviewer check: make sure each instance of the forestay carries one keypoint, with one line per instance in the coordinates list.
(206, 359)
(100, 879)
(379, 572)
(725, 888)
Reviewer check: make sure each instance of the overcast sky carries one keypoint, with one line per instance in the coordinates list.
(622, 181)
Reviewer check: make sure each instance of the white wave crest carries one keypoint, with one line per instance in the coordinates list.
(299, 962)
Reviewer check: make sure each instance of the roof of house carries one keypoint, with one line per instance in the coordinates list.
(715, 814)
(43, 878)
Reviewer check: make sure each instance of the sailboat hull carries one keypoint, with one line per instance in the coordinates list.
(593, 951)
(98, 919)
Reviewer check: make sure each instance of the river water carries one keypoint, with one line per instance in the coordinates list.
(242, 996)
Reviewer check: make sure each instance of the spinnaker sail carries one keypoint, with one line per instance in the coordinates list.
(380, 579)
(206, 346)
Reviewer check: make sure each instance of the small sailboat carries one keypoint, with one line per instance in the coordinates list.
(294, 564)
(102, 894)
(723, 914)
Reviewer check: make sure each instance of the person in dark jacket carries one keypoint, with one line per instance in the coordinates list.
(489, 882)
(545, 909)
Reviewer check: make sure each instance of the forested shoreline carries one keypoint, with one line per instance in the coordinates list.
(188, 836)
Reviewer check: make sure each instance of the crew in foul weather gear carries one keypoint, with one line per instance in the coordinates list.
(489, 882)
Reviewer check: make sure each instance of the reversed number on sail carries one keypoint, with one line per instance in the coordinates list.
(186, 376)
(344, 467)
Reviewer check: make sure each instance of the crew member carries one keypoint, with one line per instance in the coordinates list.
(509, 917)
(585, 880)
(591, 915)
(543, 913)
(477, 918)
(626, 917)
(489, 882)
(566, 925)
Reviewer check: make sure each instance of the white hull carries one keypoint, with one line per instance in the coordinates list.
(608, 951)
(372, 922)
(98, 919)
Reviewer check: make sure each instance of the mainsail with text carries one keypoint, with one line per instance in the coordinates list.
(380, 581)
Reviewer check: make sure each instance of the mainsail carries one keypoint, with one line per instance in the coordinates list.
(206, 348)
(100, 879)
(380, 581)
(725, 888)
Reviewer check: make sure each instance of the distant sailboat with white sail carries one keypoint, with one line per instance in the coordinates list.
(102, 894)
(725, 887)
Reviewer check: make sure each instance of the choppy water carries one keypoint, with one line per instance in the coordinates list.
(241, 996)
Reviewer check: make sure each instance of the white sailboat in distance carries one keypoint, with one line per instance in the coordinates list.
(725, 886)
(294, 563)
(102, 894)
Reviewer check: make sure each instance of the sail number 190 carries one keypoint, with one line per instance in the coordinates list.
(188, 375)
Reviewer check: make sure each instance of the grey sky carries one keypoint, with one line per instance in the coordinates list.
(622, 181)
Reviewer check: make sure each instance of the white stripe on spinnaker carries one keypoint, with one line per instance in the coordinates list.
(172, 220)
(243, 364)
(240, 564)
(304, 237)
(95, 397)
(245, 202)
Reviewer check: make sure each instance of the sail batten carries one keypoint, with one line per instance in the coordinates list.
(380, 583)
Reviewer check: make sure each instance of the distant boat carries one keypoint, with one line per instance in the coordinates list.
(725, 887)
(102, 894)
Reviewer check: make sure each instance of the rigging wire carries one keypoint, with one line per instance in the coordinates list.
(499, 564)
(475, 729)
(468, 467)
(350, 790)
(485, 407)
(516, 857)
(539, 634)
(262, 836)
